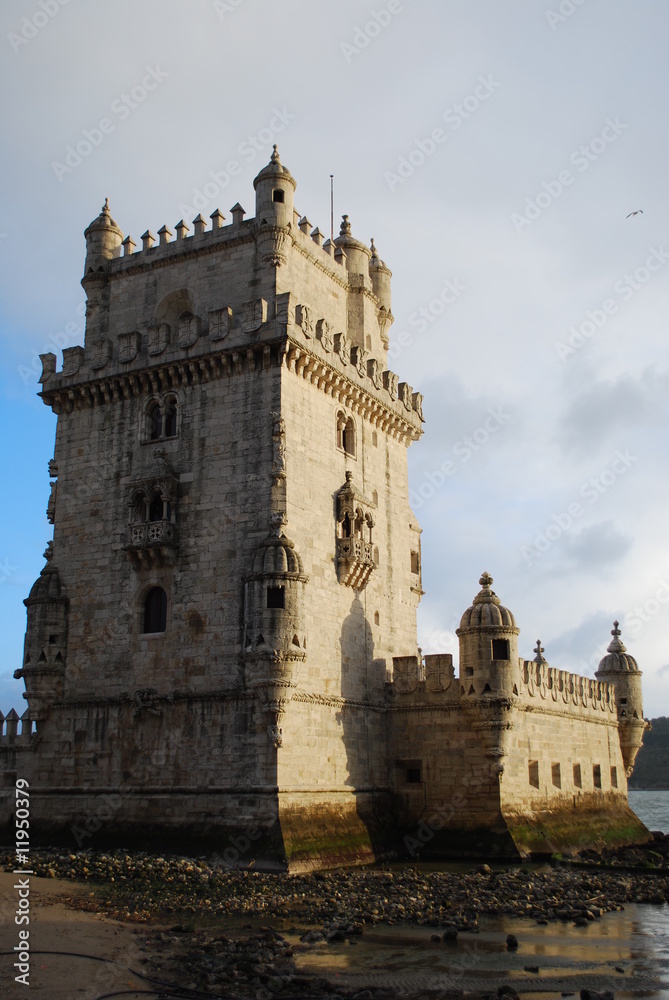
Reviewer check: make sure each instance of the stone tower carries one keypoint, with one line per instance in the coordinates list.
(234, 561)
(221, 650)
(621, 670)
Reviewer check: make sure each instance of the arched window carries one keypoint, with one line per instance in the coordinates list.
(139, 507)
(170, 417)
(348, 437)
(155, 421)
(341, 424)
(156, 508)
(155, 610)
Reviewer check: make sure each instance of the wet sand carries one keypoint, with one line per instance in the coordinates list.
(56, 927)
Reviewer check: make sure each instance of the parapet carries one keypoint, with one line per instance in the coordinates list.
(9, 729)
(430, 678)
(545, 686)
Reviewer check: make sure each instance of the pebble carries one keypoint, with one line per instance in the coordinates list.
(336, 906)
(134, 886)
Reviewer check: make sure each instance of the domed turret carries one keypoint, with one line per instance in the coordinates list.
(103, 241)
(357, 254)
(273, 604)
(619, 668)
(274, 638)
(43, 669)
(488, 645)
(275, 189)
(278, 557)
(617, 660)
(380, 277)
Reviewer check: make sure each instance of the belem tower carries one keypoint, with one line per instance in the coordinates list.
(221, 648)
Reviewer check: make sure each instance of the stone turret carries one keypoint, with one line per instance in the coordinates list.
(104, 239)
(43, 668)
(357, 254)
(274, 627)
(380, 276)
(488, 646)
(489, 672)
(621, 670)
(275, 189)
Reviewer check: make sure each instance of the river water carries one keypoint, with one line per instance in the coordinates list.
(626, 952)
(652, 808)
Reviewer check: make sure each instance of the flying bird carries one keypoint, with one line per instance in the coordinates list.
(639, 211)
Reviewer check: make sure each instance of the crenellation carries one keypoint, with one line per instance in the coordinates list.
(199, 225)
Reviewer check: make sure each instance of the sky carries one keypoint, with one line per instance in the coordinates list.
(494, 151)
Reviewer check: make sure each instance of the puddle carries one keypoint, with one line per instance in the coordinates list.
(568, 958)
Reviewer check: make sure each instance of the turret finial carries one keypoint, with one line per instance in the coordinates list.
(345, 228)
(486, 580)
(274, 158)
(105, 207)
(372, 247)
(539, 650)
(616, 645)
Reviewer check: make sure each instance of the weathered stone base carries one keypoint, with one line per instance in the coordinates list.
(272, 831)
(323, 832)
(569, 831)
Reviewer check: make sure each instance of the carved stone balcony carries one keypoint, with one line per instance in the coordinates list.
(355, 562)
(152, 543)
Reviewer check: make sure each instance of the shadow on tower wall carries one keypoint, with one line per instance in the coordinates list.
(362, 718)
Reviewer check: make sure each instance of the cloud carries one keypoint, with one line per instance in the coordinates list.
(609, 412)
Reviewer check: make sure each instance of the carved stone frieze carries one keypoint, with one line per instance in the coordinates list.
(304, 320)
(159, 338)
(129, 346)
(254, 314)
(188, 331)
(390, 383)
(101, 353)
(324, 334)
(220, 323)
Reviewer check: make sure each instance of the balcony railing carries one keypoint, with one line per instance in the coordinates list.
(355, 561)
(152, 542)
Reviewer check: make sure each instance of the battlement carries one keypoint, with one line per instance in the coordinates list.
(9, 729)
(171, 244)
(541, 686)
(546, 686)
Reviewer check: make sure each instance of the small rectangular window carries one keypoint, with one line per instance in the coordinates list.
(597, 775)
(533, 771)
(53, 639)
(415, 563)
(277, 195)
(578, 782)
(408, 771)
(275, 597)
(614, 777)
(500, 649)
(556, 775)
(469, 671)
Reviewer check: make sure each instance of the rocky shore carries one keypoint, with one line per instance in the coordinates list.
(224, 930)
